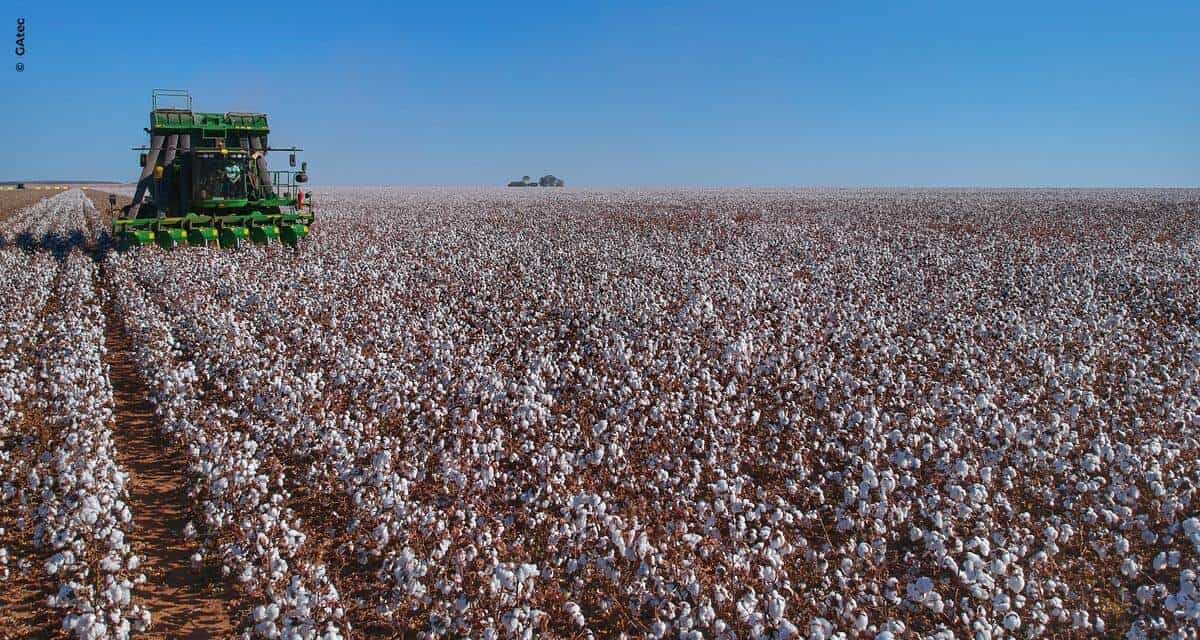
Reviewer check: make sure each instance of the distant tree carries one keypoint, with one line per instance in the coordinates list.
(547, 180)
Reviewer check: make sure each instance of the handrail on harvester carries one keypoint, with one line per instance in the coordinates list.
(169, 93)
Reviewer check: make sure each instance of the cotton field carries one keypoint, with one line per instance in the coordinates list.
(665, 414)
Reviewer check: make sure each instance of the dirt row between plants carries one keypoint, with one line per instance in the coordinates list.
(184, 603)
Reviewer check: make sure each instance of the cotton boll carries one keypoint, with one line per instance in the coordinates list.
(575, 614)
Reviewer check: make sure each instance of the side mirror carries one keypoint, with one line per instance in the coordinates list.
(301, 177)
(142, 160)
(291, 159)
(303, 167)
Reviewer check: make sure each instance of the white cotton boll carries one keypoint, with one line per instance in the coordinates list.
(576, 615)
(1122, 545)
(747, 606)
(111, 563)
(1172, 603)
(1012, 621)
(89, 510)
(918, 589)
(505, 578)
(380, 533)
(142, 622)
(820, 629)
(786, 630)
(117, 594)
(1001, 602)
(776, 606)
(527, 571)
(279, 567)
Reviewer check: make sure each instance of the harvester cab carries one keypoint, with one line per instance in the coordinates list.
(205, 181)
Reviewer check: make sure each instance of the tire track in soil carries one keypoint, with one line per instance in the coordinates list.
(183, 603)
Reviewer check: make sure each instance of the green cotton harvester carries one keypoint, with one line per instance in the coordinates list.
(205, 181)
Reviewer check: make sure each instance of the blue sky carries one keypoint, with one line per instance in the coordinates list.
(622, 93)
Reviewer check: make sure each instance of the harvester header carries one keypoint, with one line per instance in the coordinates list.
(205, 181)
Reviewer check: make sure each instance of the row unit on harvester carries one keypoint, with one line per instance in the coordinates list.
(205, 181)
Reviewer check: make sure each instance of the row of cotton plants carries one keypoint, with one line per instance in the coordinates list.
(705, 413)
(25, 285)
(257, 539)
(76, 487)
(64, 220)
